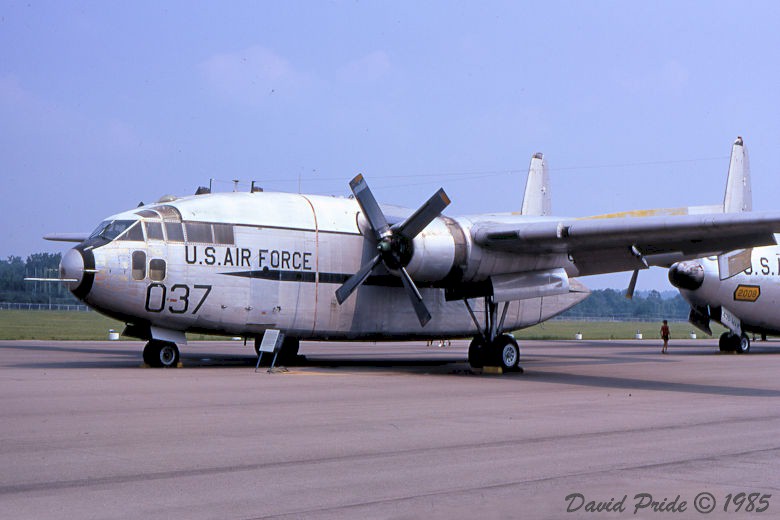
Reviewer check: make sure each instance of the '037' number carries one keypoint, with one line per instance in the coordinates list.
(157, 293)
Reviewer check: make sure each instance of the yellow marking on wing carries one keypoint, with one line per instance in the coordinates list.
(642, 213)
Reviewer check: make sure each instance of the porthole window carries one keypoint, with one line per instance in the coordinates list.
(157, 269)
(139, 265)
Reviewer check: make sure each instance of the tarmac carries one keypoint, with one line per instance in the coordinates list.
(592, 429)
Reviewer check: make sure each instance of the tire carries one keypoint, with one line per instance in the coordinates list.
(152, 353)
(506, 352)
(288, 353)
(743, 345)
(726, 342)
(168, 355)
(476, 353)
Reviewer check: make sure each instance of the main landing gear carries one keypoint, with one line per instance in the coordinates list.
(490, 348)
(288, 352)
(732, 343)
(161, 354)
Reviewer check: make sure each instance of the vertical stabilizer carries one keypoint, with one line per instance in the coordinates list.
(536, 199)
(738, 198)
(739, 195)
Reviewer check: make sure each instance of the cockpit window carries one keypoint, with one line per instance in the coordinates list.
(174, 232)
(154, 230)
(223, 234)
(198, 232)
(133, 233)
(148, 213)
(109, 230)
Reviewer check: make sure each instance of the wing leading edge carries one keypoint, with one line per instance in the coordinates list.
(616, 244)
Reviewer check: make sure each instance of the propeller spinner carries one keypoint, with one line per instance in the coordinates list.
(394, 244)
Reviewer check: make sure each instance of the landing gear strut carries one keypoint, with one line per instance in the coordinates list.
(161, 354)
(491, 348)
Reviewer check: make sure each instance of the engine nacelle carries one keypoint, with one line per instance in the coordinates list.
(438, 252)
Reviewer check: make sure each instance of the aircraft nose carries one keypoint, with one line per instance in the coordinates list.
(687, 275)
(78, 267)
(72, 267)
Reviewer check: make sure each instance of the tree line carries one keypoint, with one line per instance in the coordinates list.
(14, 289)
(607, 303)
(601, 303)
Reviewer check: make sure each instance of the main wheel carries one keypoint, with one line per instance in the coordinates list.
(169, 355)
(152, 353)
(477, 353)
(743, 346)
(288, 353)
(726, 342)
(506, 352)
(161, 354)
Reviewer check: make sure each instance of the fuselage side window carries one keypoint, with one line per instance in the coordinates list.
(139, 265)
(157, 269)
(154, 231)
(223, 234)
(174, 232)
(199, 232)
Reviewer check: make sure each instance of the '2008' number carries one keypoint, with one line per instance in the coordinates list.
(157, 293)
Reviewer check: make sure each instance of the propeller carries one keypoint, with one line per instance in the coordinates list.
(394, 244)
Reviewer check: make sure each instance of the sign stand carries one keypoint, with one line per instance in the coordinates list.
(272, 342)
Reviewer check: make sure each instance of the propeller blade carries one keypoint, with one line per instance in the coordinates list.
(414, 295)
(424, 215)
(632, 284)
(354, 281)
(369, 206)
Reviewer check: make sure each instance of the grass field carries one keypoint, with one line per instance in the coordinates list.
(61, 325)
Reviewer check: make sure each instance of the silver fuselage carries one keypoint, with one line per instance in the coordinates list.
(241, 263)
(753, 296)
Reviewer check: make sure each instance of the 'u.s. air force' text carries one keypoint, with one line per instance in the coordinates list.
(243, 257)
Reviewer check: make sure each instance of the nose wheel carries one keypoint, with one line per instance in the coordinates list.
(161, 354)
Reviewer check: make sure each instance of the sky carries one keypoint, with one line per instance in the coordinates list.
(635, 104)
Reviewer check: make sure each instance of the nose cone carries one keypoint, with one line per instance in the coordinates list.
(687, 275)
(78, 266)
(72, 268)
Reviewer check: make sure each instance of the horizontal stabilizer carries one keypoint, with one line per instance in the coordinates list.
(67, 237)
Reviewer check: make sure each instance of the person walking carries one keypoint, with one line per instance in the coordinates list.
(665, 336)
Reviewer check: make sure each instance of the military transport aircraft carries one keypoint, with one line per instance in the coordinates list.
(743, 302)
(331, 268)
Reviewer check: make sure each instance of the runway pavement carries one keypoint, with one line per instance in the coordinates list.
(393, 431)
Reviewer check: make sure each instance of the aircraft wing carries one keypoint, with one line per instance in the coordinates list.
(602, 245)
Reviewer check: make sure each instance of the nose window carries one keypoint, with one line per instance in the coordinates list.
(139, 265)
(157, 269)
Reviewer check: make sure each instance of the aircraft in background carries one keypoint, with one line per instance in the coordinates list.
(330, 268)
(740, 290)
